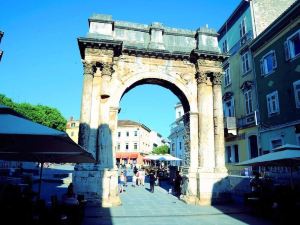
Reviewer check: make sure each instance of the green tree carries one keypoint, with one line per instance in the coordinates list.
(45, 115)
(164, 149)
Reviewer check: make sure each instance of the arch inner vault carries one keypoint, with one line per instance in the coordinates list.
(117, 56)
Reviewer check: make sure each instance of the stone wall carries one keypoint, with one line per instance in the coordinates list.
(266, 11)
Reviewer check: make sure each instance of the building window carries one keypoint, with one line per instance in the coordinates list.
(127, 146)
(296, 85)
(245, 62)
(273, 103)
(179, 114)
(135, 146)
(229, 108)
(243, 27)
(228, 154)
(268, 63)
(173, 147)
(135, 133)
(180, 145)
(119, 146)
(276, 143)
(225, 46)
(73, 124)
(232, 154)
(248, 102)
(127, 133)
(72, 134)
(292, 46)
(236, 153)
(227, 78)
(119, 134)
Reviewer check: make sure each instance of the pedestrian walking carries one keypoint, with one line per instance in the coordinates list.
(152, 179)
(133, 180)
(125, 176)
(177, 184)
(122, 181)
(142, 176)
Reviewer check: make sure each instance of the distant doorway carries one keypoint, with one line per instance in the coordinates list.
(253, 147)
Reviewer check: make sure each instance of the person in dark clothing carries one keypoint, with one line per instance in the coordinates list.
(135, 170)
(152, 179)
(177, 184)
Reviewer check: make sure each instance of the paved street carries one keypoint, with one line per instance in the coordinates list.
(139, 206)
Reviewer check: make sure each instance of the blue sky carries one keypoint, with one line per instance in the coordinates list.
(41, 62)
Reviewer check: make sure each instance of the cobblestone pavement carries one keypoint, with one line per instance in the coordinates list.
(139, 206)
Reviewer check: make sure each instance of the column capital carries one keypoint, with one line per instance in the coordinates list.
(88, 67)
(107, 69)
(201, 77)
(217, 78)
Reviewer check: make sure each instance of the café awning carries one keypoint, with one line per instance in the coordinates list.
(127, 155)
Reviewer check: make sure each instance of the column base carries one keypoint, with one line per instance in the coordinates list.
(97, 184)
(214, 188)
(191, 200)
(189, 186)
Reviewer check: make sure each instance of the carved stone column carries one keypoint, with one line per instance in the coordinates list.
(206, 129)
(107, 71)
(94, 121)
(189, 189)
(218, 123)
(86, 104)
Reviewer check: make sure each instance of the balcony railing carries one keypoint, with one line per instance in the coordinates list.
(248, 121)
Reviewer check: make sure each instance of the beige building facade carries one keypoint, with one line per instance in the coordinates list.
(134, 137)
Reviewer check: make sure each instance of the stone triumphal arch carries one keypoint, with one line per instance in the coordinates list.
(117, 56)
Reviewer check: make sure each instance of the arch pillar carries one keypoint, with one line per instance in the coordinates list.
(97, 123)
(212, 174)
(218, 124)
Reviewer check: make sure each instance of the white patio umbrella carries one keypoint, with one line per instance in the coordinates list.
(288, 157)
(24, 140)
(162, 157)
(168, 158)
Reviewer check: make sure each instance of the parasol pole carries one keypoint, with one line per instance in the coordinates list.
(291, 177)
(40, 180)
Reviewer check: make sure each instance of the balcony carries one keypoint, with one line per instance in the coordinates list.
(248, 121)
(230, 125)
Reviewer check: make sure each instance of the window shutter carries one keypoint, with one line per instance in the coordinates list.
(241, 32)
(277, 102)
(297, 93)
(269, 105)
(262, 67)
(287, 51)
(274, 60)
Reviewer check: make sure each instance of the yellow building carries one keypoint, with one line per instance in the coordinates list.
(72, 129)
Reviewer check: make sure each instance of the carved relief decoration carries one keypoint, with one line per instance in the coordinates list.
(186, 77)
(99, 52)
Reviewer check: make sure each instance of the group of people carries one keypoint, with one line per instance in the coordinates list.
(138, 178)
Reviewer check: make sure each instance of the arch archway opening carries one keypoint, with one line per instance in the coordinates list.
(166, 84)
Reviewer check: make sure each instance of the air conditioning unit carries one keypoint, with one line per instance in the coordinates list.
(230, 123)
